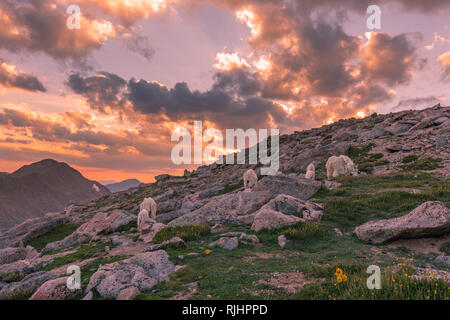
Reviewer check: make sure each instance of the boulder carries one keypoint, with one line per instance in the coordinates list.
(429, 219)
(102, 222)
(142, 271)
(443, 259)
(26, 286)
(293, 206)
(441, 142)
(128, 293)
(55, 289)
(226, 243)
(270, 219)
(31, 228)
(9, 255)
(307, 188)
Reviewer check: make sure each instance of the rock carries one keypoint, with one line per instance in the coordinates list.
(27, 285)
(128, 293)
(373, 134)
(31, 228)
(150, 229)
(282, 241)
(394, 148)
(9, 255)
(142, 271)
(89, 296)
(429, 219)
(22, 268)
(289, 205)
(226, 243)
(55, 289)
(121, 241)
(225, 208)
(249, 237)
(440, 120)
(270, 219)
(307, 188)
(218, 228)
(443, 259)
(441, 142)
(102, 222)
(398, 128)
(209, 192)
(331, 185)
(162, 177)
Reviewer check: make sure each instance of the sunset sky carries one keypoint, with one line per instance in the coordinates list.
(107, 97)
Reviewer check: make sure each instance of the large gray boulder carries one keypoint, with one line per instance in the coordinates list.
(270, 219)
(26, 286)
(55, 289)
(9, 255)
(429, 219)
(142, 271)
(102, 222)
(226, 243)
(225, 208)
(31, 228)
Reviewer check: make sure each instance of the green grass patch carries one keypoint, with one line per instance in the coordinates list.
(230, 188)
(445, 248)
(187, 233)
(424, 164)
(410, 158)
(86, 251)
(12, 277)
(394, 286)
(56, 234)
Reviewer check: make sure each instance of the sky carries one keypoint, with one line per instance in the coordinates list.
(106, 97)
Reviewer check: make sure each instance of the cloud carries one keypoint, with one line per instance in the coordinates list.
(10, 78)
(444, 59)
(100, 90)
(40, 26)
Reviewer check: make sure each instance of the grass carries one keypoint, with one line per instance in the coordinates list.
(427, 163)
(410, 158)
(445, 248)
(12, 277)
(56, 234)
(230, 188)
(84, 252)
(187, 233)
(395, 285)
(366, 162)
(365, 198)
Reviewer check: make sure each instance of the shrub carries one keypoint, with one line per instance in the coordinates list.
(424, 164)
(187, 233)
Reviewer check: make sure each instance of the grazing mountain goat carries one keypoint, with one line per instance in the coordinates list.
(338, 166)
(95, 188)
(143, 217)
(250, 179)
(150, 205)
(311, 172)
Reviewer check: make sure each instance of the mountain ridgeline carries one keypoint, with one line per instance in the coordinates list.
(42, 187)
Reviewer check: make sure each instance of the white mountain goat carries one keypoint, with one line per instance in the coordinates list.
(311, 172)
(95, 188)
(338, 166)
(250, 179)
(150, 205)
(143, 217)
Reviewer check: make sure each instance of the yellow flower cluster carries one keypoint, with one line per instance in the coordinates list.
(340, 275)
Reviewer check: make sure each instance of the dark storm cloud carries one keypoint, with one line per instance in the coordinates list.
(100, 90)
(416, 102)
(19, 80)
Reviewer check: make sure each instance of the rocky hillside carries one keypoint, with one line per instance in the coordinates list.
(42, 187)
(288, 237)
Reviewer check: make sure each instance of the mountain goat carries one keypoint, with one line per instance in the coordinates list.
(143, 217)
(342, 165)
(150, 205)
(250, 179)
(311, 172)
(95, 188)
